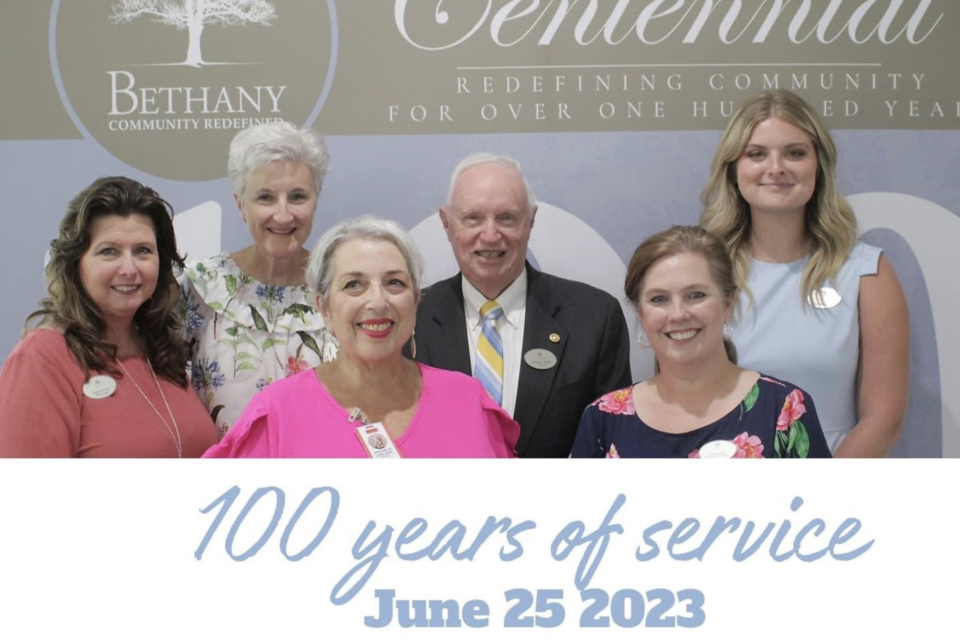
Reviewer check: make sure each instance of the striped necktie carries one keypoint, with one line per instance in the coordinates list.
(489, 363)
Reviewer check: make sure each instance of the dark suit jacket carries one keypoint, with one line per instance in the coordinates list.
(593, 353)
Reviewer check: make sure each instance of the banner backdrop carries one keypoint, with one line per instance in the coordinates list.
(613, 107)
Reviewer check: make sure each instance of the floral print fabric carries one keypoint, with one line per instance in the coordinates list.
(245, 334)
(775, 419)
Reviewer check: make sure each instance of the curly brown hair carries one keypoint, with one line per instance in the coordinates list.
(70, 307)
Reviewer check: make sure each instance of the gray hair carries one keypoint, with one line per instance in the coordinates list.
(483, 158)
(259, 145)
(320, 268)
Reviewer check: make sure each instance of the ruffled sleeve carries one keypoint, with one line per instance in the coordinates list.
(252, 436)
(193, 310)
(502, 430)
(219, 284)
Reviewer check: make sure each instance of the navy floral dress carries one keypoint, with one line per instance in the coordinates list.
(774, 420)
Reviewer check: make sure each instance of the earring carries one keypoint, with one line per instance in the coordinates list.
(644, 344)
(727, 331)
(413, 344)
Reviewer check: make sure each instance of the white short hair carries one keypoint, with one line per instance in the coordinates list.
(259, 145)
(483, 158)
(320, 267)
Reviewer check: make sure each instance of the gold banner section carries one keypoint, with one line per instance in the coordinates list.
(118, 70)
(472, 67)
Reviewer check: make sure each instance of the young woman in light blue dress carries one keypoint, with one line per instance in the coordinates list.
(818, 307)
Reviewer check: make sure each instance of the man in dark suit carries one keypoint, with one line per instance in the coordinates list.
(558, 344)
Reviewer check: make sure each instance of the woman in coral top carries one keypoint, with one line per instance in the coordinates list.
(371, 401)
(700, 403)
(104, 374)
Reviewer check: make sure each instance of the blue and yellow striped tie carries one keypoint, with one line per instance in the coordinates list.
(489, 364)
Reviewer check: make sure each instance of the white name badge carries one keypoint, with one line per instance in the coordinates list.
(540, 359)
(377, 441)
(718, 449)
(99, 387)
(828, 298)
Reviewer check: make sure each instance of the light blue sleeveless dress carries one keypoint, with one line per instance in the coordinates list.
(815, 349)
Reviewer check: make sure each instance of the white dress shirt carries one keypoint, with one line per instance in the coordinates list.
(513, 301)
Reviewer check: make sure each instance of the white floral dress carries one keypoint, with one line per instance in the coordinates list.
(245, 334)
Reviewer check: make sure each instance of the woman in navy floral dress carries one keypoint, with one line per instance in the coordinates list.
(700, 403)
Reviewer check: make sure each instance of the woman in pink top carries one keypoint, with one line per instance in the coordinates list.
(104, 375)
(371, 401)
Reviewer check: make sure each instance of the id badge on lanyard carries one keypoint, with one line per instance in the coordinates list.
(377, 442)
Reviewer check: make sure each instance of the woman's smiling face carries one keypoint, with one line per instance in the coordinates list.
(777, 171)
(278, 204)
(682, 310)
(371, 307)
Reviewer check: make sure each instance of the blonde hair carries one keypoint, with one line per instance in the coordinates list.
(829, 220)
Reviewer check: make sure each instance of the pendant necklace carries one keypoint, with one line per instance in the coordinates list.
(175, 431)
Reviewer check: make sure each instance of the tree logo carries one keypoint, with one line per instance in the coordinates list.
(194, 16)
(168, 100)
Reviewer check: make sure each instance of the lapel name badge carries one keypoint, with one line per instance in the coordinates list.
(828, 298)
(99, 387)
(377, 441)
(540, 359)
(718, 449)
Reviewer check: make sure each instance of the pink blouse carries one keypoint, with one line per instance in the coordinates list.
(297, 418)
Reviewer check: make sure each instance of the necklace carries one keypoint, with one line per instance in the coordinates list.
(175, 431)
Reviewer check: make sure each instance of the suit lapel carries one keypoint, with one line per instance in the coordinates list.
(539, 327)
(448, 348)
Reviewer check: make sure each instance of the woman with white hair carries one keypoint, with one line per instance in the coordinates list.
(371, 401)
(248, 312)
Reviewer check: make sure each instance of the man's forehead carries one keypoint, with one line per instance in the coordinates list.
(490, 176)
(488, 184)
